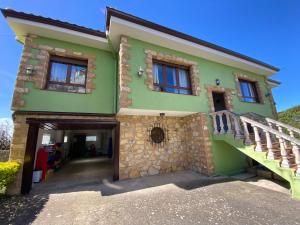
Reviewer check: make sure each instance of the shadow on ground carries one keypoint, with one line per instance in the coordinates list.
(25, 208)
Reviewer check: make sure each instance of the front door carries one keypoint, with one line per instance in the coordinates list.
(219, 105)
(219, 101)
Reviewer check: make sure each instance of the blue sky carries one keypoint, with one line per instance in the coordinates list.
(268, 30)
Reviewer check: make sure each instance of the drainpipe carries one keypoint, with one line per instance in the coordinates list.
(115, 56)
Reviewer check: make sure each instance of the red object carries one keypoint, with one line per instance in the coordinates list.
(41, 162)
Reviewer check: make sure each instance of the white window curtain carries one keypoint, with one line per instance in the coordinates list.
(183, 80)
(155, 74)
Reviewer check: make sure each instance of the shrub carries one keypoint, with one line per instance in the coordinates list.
(8, 171)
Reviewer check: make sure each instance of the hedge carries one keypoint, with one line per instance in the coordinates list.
(8, 171)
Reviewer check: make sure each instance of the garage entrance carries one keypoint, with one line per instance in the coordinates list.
(64, 152)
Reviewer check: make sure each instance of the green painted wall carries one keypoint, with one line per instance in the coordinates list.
(227, 160)
(101, 100)
(143, 98)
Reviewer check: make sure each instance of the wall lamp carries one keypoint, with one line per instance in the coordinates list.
(218, 82)
(140, 72)
(29, 70)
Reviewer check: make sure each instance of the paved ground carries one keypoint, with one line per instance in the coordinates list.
(78, 172)
(177, 198)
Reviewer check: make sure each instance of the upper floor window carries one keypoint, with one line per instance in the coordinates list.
(67, 74)
(249, 91)
(171, 78)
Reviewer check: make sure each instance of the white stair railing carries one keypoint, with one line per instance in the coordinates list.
(292, 130)
(226, 122)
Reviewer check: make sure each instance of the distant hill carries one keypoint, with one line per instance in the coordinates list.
(291, 116)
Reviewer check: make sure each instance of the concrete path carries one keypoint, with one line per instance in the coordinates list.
(178, 198)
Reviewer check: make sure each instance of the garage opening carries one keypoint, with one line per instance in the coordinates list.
(70, 153)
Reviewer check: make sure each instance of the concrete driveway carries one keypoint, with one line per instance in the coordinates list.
(177, 198)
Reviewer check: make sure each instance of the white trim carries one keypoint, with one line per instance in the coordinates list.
(17, 23)
(188, 43)
(149, 112)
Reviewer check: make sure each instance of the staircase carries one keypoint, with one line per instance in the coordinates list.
(271, 143)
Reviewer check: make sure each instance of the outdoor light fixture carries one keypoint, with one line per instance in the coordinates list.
(140, 72)
(29, 70)
(218, 82)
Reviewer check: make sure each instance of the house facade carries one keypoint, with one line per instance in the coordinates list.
(154, 87)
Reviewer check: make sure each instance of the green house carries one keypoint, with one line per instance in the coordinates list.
(147, 98)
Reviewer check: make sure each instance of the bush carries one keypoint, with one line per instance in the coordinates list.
(8, 171)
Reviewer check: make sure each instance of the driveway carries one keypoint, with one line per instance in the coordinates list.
(177, 198)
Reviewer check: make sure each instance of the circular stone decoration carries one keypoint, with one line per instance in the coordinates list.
(157, 135)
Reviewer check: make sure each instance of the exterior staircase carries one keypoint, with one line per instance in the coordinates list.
(271, 143)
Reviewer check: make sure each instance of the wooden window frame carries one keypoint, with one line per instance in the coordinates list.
(164, 75)
(256, 98)
(70, 62)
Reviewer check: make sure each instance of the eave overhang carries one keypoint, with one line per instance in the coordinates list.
(23, 24)
(273, 83)
(119, 23)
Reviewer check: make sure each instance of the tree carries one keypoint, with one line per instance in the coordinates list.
(291, 116)
(5, 134)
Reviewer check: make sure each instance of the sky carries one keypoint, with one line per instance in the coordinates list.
(268, 30)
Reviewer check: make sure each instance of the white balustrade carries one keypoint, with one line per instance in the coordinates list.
(258, 146)
(271, 154)
(285, 140)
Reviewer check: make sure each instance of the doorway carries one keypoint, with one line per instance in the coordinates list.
(219, 101)
(219, 105)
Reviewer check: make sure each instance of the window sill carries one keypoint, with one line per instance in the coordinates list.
(257, 103)
(173, 93)
(68, 92)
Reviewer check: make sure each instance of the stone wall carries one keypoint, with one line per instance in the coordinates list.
(4, 155)
(188, 146)
(124, 76)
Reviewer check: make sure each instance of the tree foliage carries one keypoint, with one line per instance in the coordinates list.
(5, 135)
(291, 116)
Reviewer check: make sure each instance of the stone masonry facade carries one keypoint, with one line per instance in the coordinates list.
(124, 76)
(188, 147)
(37, 57)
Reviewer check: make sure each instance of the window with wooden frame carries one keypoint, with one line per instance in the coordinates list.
(249, 91)
(66, 74)
(171, 78)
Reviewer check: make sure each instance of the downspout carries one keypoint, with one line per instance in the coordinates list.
(111, 47)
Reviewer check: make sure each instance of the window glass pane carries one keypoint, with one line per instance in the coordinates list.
(171, 76)
(185, 91)
(65, 139)
(171, 90)
(46, 139)
(58, 72)
(245, 88)
(183, 78)
(78, 74)
(91, 138)
(157, 74)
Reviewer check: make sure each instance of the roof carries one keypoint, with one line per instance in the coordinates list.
(128, 17)
(49, 21)
(276, 82)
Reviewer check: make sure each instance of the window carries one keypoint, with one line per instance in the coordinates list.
(46, 139)
(65, 139)
(249, 91)
(171, 78)
(91, 138)
(67, 74)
